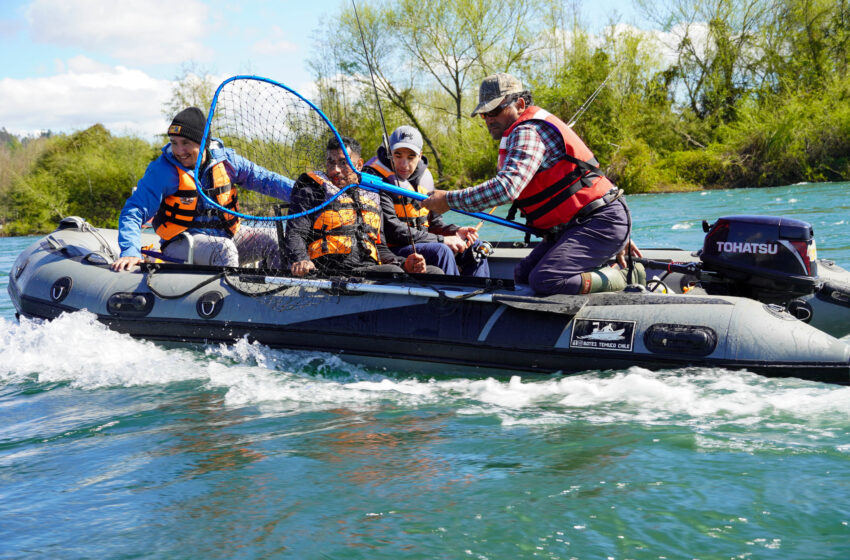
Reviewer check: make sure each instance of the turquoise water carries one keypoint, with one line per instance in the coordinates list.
(117, 448)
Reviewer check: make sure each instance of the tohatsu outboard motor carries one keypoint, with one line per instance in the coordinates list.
(768, 258)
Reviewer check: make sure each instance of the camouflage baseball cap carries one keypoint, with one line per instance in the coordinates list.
(494, 89)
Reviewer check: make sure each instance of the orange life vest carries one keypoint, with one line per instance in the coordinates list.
(408, 210)
(347, 231)
(556, 195)
(378, 166)
(179, 211)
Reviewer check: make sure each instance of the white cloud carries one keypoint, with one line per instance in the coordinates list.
(141, 32)
(275, 43)
(10, 27)
(663, 44)
(124, 100)
(268, 46)
(669, 42)
(84, 65)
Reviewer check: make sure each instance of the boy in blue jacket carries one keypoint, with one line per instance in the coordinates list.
(167, 194)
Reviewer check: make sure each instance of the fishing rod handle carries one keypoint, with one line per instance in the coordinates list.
(683, 268)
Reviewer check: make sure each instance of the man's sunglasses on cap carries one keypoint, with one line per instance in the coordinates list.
(498, 110)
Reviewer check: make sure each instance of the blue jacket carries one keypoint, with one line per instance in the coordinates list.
(161, 180)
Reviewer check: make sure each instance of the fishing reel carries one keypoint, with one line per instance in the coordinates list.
(482, 251)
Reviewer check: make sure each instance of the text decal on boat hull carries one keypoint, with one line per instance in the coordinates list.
(603, 334)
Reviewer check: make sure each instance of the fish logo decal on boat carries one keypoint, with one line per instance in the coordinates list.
(603, 335)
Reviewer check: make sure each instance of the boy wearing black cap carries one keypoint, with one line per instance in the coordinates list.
(218, 238)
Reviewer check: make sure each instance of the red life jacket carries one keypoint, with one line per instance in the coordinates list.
(556, 195)
(179, 211)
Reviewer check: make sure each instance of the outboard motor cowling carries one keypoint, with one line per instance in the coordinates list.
(763, 257)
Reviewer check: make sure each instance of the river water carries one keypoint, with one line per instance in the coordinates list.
(116, 448)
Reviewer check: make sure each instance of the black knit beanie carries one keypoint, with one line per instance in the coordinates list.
(189, 123)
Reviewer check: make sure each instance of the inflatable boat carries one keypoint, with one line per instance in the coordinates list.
(440, 323)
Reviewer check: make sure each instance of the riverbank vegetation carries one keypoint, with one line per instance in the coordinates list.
(723, 94)
(88, 173)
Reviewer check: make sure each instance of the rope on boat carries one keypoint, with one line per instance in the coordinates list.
(153, 268)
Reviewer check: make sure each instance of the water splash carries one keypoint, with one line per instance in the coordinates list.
(77, 350)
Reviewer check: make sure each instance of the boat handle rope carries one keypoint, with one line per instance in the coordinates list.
(240, 291)
(104, 245)
(152, 269)
(443, 297)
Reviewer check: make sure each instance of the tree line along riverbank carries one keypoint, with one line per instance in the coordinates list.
(735, 93)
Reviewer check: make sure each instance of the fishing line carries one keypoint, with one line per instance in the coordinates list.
(581, 110)
(587, 102)
(386, 139)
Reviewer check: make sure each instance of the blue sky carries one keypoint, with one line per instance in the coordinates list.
(68, 64)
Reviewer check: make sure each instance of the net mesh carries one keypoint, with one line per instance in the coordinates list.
(278, 131)
(273, 128)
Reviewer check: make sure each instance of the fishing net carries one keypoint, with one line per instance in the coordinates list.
(277, 131)
(274, 136)
(271, 127)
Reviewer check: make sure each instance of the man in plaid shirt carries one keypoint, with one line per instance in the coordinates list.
(587, 223)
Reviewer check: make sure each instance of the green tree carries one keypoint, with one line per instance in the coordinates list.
(718, 50)
(193, 87)
(425, 59)
(806, 44)
(89, 173)
(459, 41)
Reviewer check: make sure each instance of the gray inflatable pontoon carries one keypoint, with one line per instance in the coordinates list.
(419, 321)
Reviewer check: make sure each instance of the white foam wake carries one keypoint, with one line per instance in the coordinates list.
(76, 349)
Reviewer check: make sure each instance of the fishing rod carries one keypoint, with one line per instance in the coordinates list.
(592, 97)
(481, 223)
(584, 106)
(386, 138)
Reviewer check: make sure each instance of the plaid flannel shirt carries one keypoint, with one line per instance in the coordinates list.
(531, 146)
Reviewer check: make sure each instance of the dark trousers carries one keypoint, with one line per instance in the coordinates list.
(439, 254)
(555, 267)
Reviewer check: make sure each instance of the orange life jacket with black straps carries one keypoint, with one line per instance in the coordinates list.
(345, 234)
(573, 186)
(408, 210)
(179, 211)
(378, 167)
